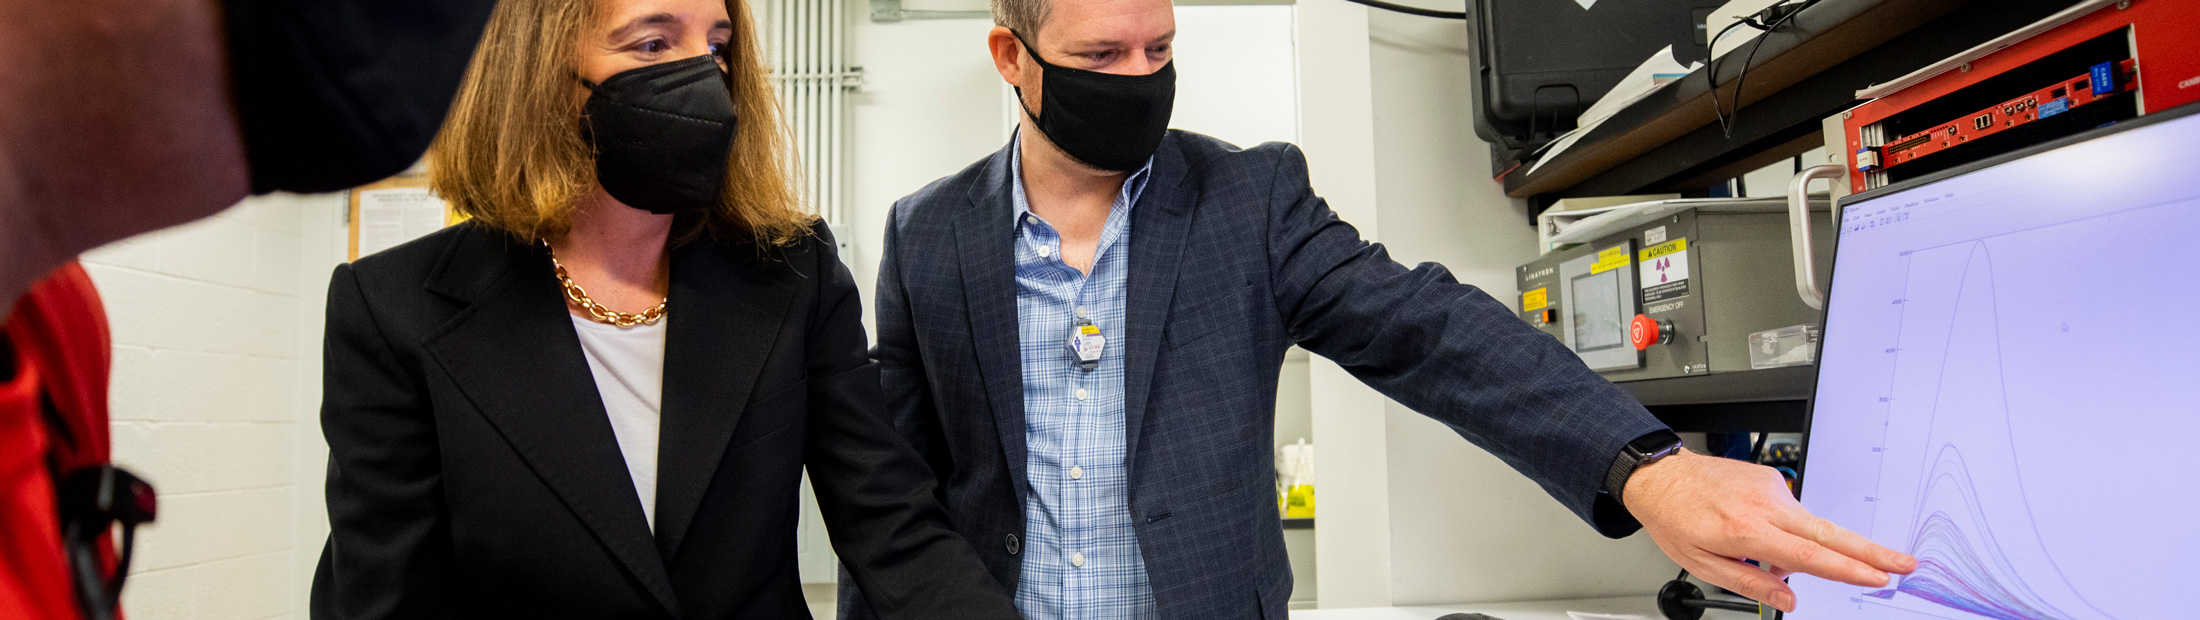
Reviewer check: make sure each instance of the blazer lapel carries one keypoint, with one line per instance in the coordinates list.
(514, 355)
(723, 321)
(985, 240)
(1159, 222)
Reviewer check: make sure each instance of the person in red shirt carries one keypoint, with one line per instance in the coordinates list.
(118, 117)
(32, 567)
(53, 420)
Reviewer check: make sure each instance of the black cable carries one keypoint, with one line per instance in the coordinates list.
(1681, 600)
(1711, 74)
(122, 566)
(1781, 13)
(92, 596)
(1742, 78)
(1411, 10)
(1726, 605)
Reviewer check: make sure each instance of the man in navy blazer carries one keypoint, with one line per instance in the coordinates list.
(1083, 332)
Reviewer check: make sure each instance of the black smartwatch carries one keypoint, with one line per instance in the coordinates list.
(1642, 451)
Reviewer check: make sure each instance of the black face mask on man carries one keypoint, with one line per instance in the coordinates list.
(1111, 122)
(663, 134)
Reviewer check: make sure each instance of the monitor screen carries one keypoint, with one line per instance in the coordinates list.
(2010, 370)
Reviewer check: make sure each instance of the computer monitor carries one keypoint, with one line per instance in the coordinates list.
(2008, 379)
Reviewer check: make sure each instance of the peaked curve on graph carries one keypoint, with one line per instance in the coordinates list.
(1962, 563)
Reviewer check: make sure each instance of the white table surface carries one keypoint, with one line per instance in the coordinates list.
(1644, 605)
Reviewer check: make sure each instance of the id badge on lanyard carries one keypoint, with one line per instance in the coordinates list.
(1086, 343)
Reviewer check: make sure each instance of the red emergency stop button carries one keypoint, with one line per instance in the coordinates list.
(1645, 331)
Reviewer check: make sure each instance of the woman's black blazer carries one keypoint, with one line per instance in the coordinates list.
(472, 471)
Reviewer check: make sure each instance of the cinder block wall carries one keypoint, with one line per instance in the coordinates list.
(212, 393)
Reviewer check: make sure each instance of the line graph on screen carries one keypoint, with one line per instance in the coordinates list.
(1979, 551)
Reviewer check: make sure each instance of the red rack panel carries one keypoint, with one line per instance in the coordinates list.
(2047, 102)
(2162, 33)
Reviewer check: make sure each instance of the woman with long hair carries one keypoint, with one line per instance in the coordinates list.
(595, 398)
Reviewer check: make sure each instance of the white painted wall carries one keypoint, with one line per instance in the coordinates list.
(1237, 73)
(325, 247)
(927, 109)
(210, 402)
(1351, 486)
(1465, 527)
(1772, 180)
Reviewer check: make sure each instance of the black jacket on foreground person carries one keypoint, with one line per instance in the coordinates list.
(332, 94)
(473, 472)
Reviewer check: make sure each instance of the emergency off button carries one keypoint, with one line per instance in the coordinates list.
(1645, 331)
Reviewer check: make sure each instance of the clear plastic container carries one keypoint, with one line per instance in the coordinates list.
(1794, 345)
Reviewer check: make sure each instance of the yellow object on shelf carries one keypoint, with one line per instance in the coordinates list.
(1299, 503)
(1295, 480)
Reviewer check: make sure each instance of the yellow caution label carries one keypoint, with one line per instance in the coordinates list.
(1662, 249)
(1535, 300)
(1088, 329)
(1609, 259)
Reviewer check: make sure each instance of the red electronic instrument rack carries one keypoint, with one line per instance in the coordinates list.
(2119, 61)
(2064, 96)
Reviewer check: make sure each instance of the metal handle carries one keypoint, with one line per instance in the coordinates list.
(1806, 277)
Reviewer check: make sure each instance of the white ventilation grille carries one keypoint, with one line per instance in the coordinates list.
(805, 47)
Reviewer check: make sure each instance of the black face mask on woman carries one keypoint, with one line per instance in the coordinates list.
(1111, 122)
(663, 134)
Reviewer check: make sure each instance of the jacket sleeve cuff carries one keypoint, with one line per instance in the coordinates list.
(1605, 511)
(1610, 518)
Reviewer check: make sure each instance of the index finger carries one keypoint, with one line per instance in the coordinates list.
(1795, 553)
(1825, 533)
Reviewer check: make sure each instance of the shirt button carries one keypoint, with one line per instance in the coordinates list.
(1082, 394)
(1044, 251)
(1081, 313)
(1077, 560)
(1076, 473)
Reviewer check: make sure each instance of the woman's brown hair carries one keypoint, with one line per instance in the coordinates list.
(511, 154)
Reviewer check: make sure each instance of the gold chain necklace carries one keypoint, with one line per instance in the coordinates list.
(598, 312)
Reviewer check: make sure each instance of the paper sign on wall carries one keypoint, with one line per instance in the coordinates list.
(391, 216)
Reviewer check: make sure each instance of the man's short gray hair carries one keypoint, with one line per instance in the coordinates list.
(1022, 16)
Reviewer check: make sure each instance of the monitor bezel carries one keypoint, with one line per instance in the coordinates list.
(1825, 326)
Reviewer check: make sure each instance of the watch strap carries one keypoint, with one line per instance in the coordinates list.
(1642, 451)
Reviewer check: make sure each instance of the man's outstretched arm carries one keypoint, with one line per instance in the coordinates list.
(1453, 353)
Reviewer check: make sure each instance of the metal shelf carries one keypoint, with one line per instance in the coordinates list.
(1671, 141)
(1772, 400)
